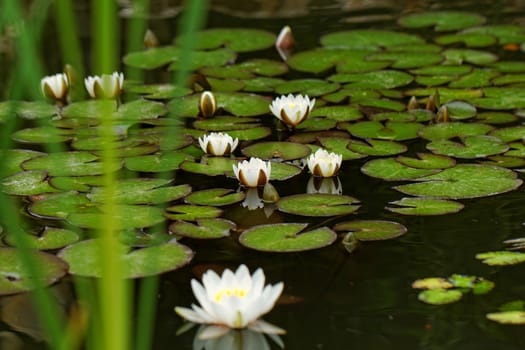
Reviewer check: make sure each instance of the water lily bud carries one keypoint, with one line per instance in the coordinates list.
(433, 102)
(292, 110)
(105, 86)
(324, 164)
(150, 39)
(55, 86)
(412, 104)
(442, 115)
(270, 193)
(285, 43)
(253, 173)
(207, 104)
(218, 144)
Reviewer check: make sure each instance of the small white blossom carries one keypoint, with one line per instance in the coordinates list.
(324, 164)
(105, 86)
(253, 173)
(292, 110)
(218, 144)
(55, 86)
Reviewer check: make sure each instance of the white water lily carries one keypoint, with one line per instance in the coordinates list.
(330, 185)
(253, 173)
(55, 86)
(233, 300)
(323, 163)
(105, 86)
(218, 144)
(292, 110)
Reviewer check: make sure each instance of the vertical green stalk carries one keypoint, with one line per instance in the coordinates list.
(68, 35)
(114, 290)
(135, 35)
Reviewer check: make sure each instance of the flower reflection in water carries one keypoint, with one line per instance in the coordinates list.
(210, 338)
(252, 200)
(327, 185)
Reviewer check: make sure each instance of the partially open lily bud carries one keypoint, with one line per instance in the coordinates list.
(324, 164)
(270, 193)
(105, 86)
(207, 104)
(292, 110)
(285, 42)
(55, 86)
(253, 173)
(442, 115)
(218, 144)
(412, 104)
(433, 102)
(150, 39)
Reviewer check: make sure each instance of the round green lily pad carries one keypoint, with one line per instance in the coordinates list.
(283, 171)
(440, 296)
(215, 197)
(125, 216)
(460, 56)
(508, 317)
(26, 183)
(165, 161)
(479, 146)
(427, 161)
(84, 259)
(42, 134)
(505, 161)
(390, 170)
(204, 229)
(192, 212)
(60, 205)
(469, 39)
(459, 110)
(281, 150)
(407, 59)
(237, 103)
(15, 278)
(251, 134)
(338, 113)
(158, 91)
(310, 87)
(442, 20)
(225, 123)
(141, 191)
(26, 109)
(478, 78)
(432, 283)
(424, 206)
(68, 164)
(48, 238)
(236, 39)
(389, 131)
(339, 145)
(501, 258)
(443, 131)
(496, 118)
(13, 158)
(76, 183)
(285, 238)
(211, 166)
(318, 204)
(316, 124)
(513, 133)
(506, 33)
(464, 181)
(370, 40)
(372, 230)
(382, 79)
(376, 147)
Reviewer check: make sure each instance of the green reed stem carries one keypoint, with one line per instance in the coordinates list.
(68, 35)
(146, 312)
(114, 290)
(137, 27)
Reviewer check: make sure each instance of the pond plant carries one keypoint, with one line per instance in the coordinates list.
(135, 181)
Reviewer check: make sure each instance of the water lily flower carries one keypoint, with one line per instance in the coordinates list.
(105, 86)
(324, 164)
(233, 300)
(330, 185)
(253, 173)
(218, 144)
(292, 110)
(55, 86)
(207, 104)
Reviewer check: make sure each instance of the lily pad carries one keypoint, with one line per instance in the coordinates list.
(42, 135)
(76, 183)
(464, 181)
(424, 206)
(460, 56)
(192, 212)
(236, 39)
(506, 33)
(125, 216)
(26, 109)
(204, 229)
(459, 110)
(285, 238)
(371, 40)
(442, 20)
(508, 317)
(49, 238)
(479, 146)
(165, 161)
(339, 145)
(215, 197)
(372, 230)
(440, 296)
(15, 277)
(432, 283)
(469, 39)
(225, 123)
(318, 205)
(388, 131)
(281, 150)
(338, 113)
(376, 147)
(13, 158)
(237, 103)
(382, 79)
(501, 258)
(407, 59)
(27, 183)
(443, 131)
(141, 191)
(427, 161)
(476, 79)
(390, 170)
(84, 259)
(310, 87)
(211, 166)
(503, 98)
(60, 205)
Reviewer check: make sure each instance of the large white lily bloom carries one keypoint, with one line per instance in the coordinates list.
(105, 86)
(55, 86)
(253, 173)
(233, 300)
(324, 164)
(218, 144)
(292, 110)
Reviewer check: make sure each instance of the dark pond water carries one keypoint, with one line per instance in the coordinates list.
(337, 300)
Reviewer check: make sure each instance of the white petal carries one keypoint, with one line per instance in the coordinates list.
(265, 327)
(189, 315)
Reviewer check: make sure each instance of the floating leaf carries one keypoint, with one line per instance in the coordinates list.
(407, 59)
(460, 56)
(204, 229)
(285, 238)
(501, 258)
(372, 230)
(339, 145)
(506, 33)
(508, 317)
(383, 79)
(236, 39)
(15, 278)
(49, 238)
(432, 283)
(165, 161)
(238, 104)
(424, 206)
(390, 170)
(84, 259)
(76, 183)
(43, 134)
(427, 161)
(60, 205)
(26, 109)
(479, 146)
(464, 181)
(376, 147)
(460, 110)
(26, 183)
(476, 79)
(13, 158)
(318, 204)
(215, 197)
(388, 131)
(124, 216)
(469, 39)
(192, 212)
(443, 131)
(225, 123)
(338, 113)
(310, 87)
(440, 296)
(370, 40)
(280, 150)
(442, 20)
